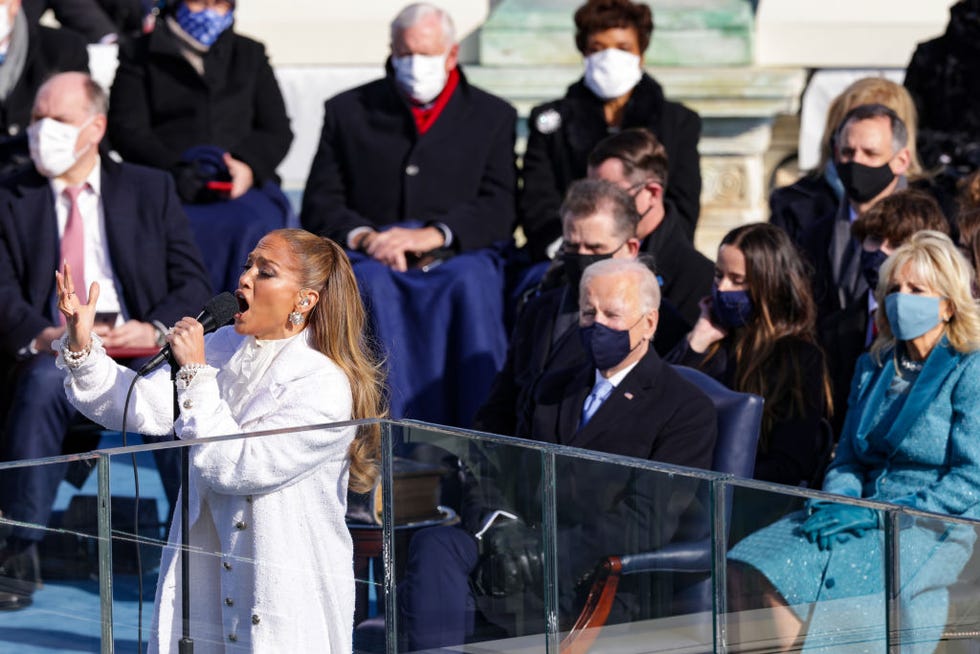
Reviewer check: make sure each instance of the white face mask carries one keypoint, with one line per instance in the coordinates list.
(52, 145)
(6, 26)
(612, 72)
(421, 77)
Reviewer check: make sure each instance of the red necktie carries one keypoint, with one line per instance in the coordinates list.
(73, 243)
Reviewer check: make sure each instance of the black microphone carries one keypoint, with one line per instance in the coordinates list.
(218, 312)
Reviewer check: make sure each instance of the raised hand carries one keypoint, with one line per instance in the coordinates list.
(706, 331)
(79, 318)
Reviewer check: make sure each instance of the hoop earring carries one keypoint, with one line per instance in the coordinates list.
(295, 317)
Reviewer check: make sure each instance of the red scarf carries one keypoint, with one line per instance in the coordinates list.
(425, 117)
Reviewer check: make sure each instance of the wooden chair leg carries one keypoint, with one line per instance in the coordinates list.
(596, 610)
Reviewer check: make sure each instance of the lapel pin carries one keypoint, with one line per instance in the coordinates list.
(628, 395)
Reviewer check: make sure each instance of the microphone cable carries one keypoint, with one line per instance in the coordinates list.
(136, 529)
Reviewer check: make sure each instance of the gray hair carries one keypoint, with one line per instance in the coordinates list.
(648, 289)
(587, 197)
(900, 133)
(415, 12)
(98, 99)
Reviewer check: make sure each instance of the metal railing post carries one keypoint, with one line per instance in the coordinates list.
(105, 552)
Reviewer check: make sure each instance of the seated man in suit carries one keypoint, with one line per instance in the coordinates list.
(413, 169)
(118, 224)
(29, 54)
(599, 222)
(624, 401)
(636, 161)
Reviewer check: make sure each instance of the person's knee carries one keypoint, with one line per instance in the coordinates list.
(40, 380)
(443, 546)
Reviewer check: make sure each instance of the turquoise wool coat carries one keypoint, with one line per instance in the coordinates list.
(931, 461)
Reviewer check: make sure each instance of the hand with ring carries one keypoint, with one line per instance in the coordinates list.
(186, 340)
(79, 318)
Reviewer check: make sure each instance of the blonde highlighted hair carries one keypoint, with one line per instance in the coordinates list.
(936, 262)
(337, 328)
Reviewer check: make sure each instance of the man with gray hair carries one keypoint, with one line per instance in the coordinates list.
(625, 401)
(415, 173)
(871, 158)
(118, 224)
(420, 145)
(599, 221)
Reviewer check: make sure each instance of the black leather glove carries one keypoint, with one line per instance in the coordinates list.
(191, 179)
(511, 560)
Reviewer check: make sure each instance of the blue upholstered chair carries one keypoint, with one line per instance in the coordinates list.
(739, 422)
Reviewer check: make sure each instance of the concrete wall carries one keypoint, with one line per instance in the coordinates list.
(341, 32)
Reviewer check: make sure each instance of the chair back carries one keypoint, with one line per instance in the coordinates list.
(739, 422)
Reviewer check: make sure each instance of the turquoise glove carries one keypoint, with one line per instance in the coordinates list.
(837, 522)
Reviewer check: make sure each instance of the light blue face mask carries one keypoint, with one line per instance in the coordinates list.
(911, 316)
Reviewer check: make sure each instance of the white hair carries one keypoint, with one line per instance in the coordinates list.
(417, 11)
(647, 287)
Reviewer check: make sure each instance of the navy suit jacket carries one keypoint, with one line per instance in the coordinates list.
(652, 414)
(156, 263)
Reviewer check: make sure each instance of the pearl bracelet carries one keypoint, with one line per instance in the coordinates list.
(75, 359)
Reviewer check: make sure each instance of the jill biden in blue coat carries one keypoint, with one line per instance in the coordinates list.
(911, 437)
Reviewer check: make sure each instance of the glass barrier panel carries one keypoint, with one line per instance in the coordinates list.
(270, 558)
(634, 556)
(144, 482)
(468, 543)
(804, 572)
(49, 573)
(937, 587)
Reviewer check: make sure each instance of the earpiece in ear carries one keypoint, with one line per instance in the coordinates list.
(305, 302)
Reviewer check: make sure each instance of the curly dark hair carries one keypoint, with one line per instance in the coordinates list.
(600, 15)
(900, 215)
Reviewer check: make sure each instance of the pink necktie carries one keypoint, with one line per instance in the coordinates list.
(73, 243)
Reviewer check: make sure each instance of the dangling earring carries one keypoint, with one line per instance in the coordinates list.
(295, 317)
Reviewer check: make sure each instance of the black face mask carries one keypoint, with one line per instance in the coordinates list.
(575, 264)
(863, 183)
(870, 265)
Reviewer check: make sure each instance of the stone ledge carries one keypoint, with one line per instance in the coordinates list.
(686, 33)
(713, 92)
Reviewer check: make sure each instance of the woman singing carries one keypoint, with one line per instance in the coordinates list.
(271, 568)
(910, 438)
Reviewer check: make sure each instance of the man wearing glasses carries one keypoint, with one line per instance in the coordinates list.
(635, 161)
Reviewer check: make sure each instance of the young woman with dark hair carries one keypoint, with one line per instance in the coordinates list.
(756, 334)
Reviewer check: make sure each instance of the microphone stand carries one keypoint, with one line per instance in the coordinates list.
(186, 644)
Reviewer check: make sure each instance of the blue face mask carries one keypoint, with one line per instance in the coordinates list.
(870, 265)
(911, 316)
(605, 346)
(204, 26)
(732, 309)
